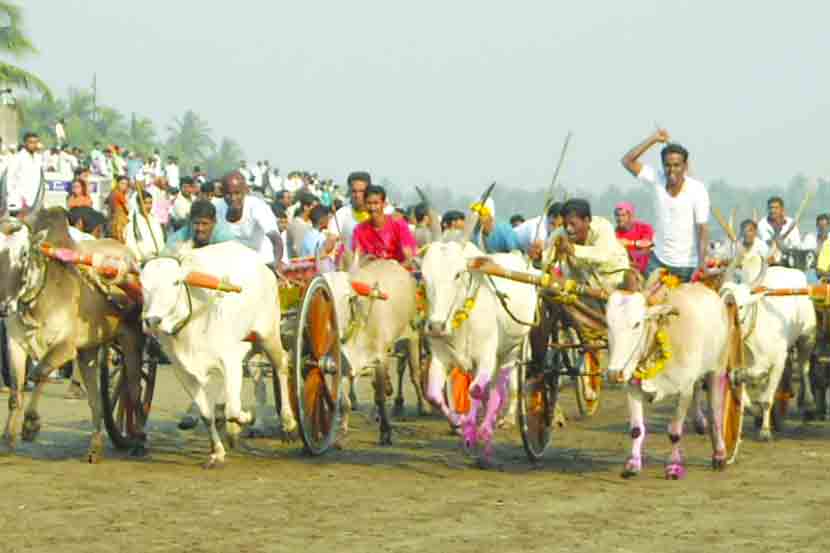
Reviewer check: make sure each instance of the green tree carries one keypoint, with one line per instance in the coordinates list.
(141, 135)
(225, 158)
(15, 43)
(190, 139)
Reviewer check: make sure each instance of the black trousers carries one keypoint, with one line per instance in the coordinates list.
(4, 354)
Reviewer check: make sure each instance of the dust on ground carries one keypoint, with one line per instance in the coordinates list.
(421, 494)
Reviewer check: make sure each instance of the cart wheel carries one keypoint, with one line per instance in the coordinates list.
(538, 394)
(124, 419)
(315, 387)
(733, 420)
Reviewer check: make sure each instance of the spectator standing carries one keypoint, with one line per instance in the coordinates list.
(637, 236)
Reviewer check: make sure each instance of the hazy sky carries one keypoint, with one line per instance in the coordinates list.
(463, 92)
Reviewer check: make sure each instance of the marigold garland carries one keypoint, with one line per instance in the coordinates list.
(464, 313)
(664, 355)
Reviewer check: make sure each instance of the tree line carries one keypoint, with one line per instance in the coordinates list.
(188, 137)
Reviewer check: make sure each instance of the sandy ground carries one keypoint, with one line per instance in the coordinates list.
(421, 494)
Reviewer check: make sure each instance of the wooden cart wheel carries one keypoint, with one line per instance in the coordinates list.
(733, 419)
(538, 394)
(315, 387)
(124, 419)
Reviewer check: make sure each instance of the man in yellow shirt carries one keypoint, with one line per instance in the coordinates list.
(593, 255)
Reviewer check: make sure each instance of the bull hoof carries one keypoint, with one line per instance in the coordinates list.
(31, 428)
(94, 457)
(288, 436)
(765, 435)
(385, 438)
(255, 432)
(809, 416)
(214, 463)
(486, 463)
(675, 471)
(632, 468)
(138, 451)
(718, 463)
(188, 422)
(397, 410)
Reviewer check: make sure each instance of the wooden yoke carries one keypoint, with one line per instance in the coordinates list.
(544, 281)
(114, 269)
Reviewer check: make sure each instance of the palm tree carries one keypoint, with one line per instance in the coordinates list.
(190, 138)
(14, 42)
(141, 136)
(225, 158)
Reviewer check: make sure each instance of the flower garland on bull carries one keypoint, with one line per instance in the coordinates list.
(654, 362)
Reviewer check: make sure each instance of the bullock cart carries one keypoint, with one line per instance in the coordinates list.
(309, 323)
(573, 339)
(126, 399)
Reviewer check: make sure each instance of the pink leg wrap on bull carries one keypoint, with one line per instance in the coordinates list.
(634, 464)
(497, 399)
(435, 392)
(676, 470)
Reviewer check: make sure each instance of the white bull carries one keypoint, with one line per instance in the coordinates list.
(696, 324)
(485, 340)
(370, 327)
(771, 326)
(202, 330)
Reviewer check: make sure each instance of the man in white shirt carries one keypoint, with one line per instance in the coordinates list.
(24, 174)
(774, 226)
(60, 133)
(350, 215)
(681, 204)
(184, 200)
(750, 242)
(245, 172)
(250, 219)
(171, 171)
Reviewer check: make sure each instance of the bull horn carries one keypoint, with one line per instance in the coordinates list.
(203, 280)
(434, 223)
(472, 222)
(725, 225)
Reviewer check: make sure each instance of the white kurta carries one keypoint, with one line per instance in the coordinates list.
(23, 179)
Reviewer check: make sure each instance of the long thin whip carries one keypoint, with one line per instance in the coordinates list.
(552, 189)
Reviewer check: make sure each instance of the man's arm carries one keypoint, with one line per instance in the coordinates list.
(702, 243)
(630, 159)
(279, 248)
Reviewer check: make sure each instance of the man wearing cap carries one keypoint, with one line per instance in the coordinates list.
(637, 236)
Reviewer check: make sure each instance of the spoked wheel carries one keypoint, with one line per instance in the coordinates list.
(125, 419)
(315, 387)
(733, 419)
(538, 394)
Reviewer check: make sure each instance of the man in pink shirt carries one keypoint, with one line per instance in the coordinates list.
(382, 236)
(636, 236)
